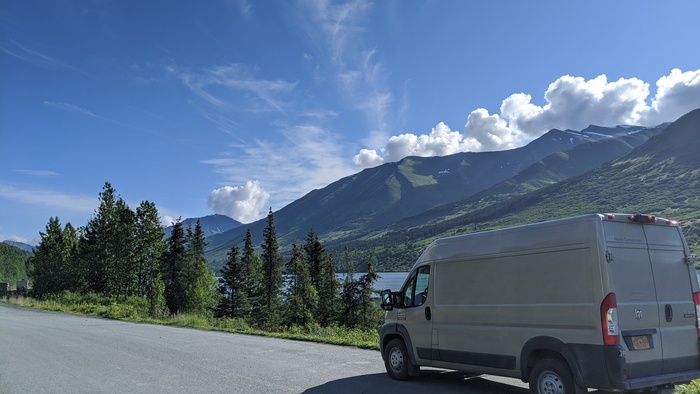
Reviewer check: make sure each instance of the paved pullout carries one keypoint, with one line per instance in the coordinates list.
(47, 352)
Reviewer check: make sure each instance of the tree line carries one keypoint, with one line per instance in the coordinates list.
(123, 253)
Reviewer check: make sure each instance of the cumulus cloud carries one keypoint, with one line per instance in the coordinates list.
(570, 103)
(243, 203)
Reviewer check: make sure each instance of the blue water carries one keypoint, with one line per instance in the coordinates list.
(387, 280)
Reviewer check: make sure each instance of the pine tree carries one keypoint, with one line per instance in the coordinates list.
(123, 270)
(301, 297)
(150, 247)
(369, 314)
(107, 247)
(350, 308)
(314, 256)
(232, 296)
(198, 281)
(328, 292)
(174, 260)
(52, 264)
(251, 280)
(272, 275)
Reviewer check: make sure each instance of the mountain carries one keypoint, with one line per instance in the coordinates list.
(660, 177)
(20, 245)
(211, 225)
(375, 198)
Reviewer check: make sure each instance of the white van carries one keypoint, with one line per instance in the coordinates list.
(608, 301)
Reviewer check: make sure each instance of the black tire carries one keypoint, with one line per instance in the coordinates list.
(551, 376)
(396, 360)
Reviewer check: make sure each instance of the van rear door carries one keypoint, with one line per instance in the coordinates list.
(652, 282)
(674, 294)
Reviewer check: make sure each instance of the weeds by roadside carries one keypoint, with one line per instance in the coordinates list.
(134, 309)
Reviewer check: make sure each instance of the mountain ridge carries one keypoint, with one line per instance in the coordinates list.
(376, 198)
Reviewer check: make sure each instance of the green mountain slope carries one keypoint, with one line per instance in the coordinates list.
(660, 177)
(374, 199)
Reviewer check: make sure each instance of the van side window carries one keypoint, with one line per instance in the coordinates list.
(416, 290)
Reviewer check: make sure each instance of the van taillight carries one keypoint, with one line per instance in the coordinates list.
(608, 317)
(696, 299)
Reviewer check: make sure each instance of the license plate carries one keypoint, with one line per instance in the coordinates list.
(640, 342)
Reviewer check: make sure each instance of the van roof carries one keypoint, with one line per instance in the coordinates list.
(491, 240)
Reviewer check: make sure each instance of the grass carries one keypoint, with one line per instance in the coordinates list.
(690, 388)
(136, 310)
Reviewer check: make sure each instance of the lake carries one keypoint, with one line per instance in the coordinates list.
(387, 280)
(394, 280)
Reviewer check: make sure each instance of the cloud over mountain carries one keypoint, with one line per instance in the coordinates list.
(570, 103)
(242, 203)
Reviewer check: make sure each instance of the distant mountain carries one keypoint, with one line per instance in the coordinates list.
(20, 245)
(211, 225)
(660, 177)
(375, 198)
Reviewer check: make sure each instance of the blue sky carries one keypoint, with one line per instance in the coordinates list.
(234, 107)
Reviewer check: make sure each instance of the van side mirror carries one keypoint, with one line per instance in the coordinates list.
(386, 303)
(390, 299)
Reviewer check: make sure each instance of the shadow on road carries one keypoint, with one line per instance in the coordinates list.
(429, 381)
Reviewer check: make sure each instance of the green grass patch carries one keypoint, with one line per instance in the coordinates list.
(690, 388)
(136, 310)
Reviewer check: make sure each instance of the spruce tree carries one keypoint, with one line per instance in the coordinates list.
(369, 314)
(328, 292)
(199, 282)
(52, 265)
(232, 296)
(97, 252)
(107, 247)
(301, 297)
(251, 280)
(349, 295)
(173, 263)
(314, 256)
(150, 247)
(272, 275)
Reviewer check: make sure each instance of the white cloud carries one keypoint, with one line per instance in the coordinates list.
(49, 198)
(306, 157)
(243, 203)
(367, 158)
(571, 103)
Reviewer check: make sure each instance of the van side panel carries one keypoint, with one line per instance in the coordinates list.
(479, 298)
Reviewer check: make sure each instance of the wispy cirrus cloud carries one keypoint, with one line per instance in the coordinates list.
(361, 77)
(34, 57)
(231, 87)
(49, 198)
(39, 173)
(84, 111)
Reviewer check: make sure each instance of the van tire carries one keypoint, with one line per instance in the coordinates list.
(551, 376)
(396, 360)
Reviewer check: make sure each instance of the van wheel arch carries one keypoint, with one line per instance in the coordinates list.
(540, 348)
(401, 333)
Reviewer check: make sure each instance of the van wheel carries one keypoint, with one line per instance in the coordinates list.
(396, 360)
(551, 376)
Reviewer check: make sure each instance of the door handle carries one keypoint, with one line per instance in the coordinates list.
(669, 313)
(428, 314)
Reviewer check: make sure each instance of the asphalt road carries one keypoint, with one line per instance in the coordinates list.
(47, 352)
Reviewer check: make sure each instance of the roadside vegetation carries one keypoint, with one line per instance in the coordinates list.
(121, 266)
(136, 310)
